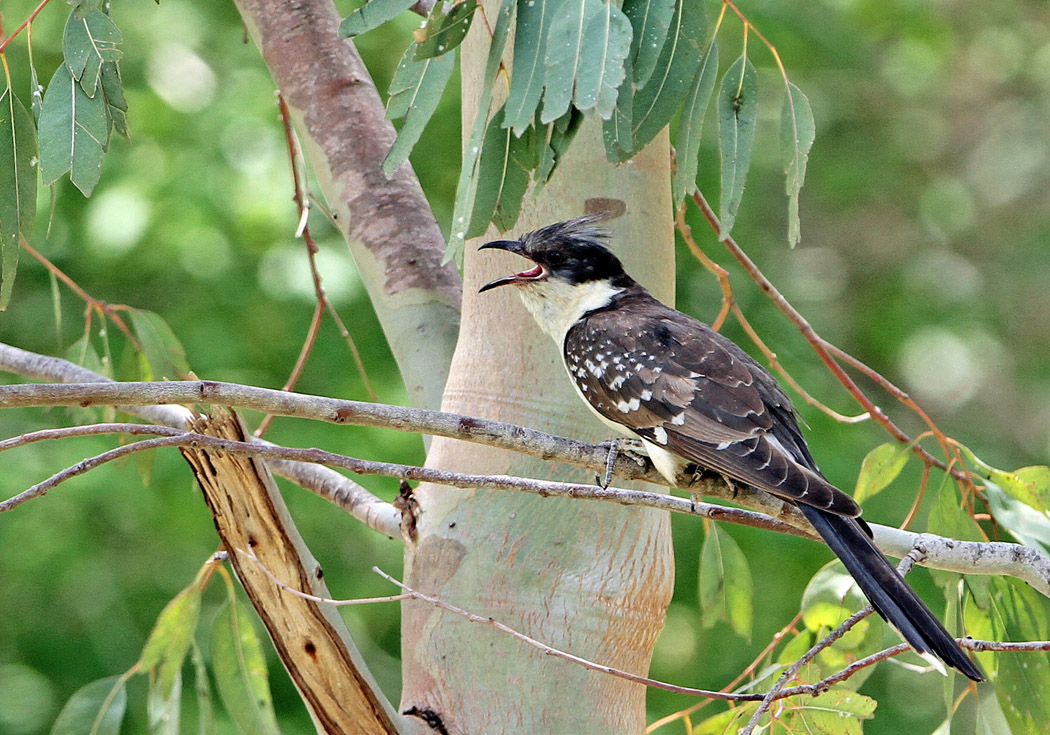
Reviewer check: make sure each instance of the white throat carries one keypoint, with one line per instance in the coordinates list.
(557, 305)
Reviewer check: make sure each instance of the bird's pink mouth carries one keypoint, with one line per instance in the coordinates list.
(533, 274)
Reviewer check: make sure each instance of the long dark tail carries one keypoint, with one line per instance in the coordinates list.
(889, 594)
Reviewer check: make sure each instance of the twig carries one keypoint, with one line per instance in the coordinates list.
(22, 25)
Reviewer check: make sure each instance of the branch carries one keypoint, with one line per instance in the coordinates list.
(392, 233)
(343, 492)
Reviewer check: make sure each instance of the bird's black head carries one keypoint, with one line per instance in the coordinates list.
(570, 252)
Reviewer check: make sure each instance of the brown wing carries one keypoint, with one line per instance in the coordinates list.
(677, 383)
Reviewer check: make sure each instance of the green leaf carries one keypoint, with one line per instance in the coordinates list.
(726, 723)
(201, 684)
(86, 44)
(586, 48)
(467, 186)
(725, 583)
(171, 637)
(835, 712)
(116, 104)
(531, 29)
(656, 103)
(797, 132)
(1028, 525)
(1030, 485)
(372, 15)
(163, 706)
(503, 177)
(240, 671)
(690, 129)
(95, 709)
(18, 153)
(618, 130)
(561, 133)
(737, 112)
(880, 468)
(650, 20)
(444, 31)
(415, 92)
(831, 597)
(1022, 680)
(949, 518)
(163, 351)
(73, 133)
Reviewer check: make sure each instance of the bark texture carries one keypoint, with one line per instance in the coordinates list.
(590, 580)
(391, 231)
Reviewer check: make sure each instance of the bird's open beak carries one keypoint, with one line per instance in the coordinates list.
(511, 246)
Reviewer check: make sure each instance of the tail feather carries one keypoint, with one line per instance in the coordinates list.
(889, 594)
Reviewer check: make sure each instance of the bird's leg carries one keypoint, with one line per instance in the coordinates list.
(610, 462)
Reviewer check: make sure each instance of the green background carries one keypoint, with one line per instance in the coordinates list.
(925, 221)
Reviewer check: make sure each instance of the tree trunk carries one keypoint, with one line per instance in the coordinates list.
(591, 579)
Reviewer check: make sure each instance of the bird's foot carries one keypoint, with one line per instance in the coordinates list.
(633, 449)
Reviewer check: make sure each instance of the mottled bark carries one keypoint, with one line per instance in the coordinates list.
(590, 580)
(391, 231)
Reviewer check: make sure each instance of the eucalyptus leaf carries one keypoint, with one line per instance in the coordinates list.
(163, 705)
(239, 666)
(202, 686)
(837, 711)
(650, 20)
(725, 583)
(467, 186)
(164, 353)
(1028, 525)
(116, 103)
(1022, 681)
(560, 136)
(18, 153)
(530, 46)
(737, 114)
(445, 31)
(97, 708)
(371, 15)
(881, 467)
(171, 637)
(797, 132)
(72, 133)
(87, 43)
(661, 97)
(691, 128)
(618, 130)
(415, 91)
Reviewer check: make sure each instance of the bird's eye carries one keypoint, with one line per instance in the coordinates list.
(555, 257)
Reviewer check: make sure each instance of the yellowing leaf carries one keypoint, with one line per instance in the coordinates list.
(880, 468)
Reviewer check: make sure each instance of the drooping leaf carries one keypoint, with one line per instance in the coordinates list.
(797, 132)
(1022, 680)
(1028, 525)
(949, 517)
(83, 8)
(1030, 485)
(690, 130)
(97, 708)
(240, 671)
(561, 133)
(656, 103)
(37, 88)
(737, 113)
(467, 186)
(116, 104)
(163, 351)
(72, 134)
(371, 15)
(530, 44)
(881, 467)
(445, 30)
(18, 152)
(163, 706)
(172, 635)
(607, 38)
(87, 43)
(201, 684)
(650, 20)
(618, 130)
(835, 712)
(503, 177)
(415, 92)
(728, 722)
(586, 48)
(725, 583)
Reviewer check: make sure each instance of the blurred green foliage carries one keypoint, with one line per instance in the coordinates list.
(925, 229)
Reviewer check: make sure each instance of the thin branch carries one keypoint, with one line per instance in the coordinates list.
(24, 24)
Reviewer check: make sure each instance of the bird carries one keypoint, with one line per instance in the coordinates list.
(697, 400)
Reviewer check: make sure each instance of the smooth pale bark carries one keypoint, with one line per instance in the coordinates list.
(393, 236)
(591, 580)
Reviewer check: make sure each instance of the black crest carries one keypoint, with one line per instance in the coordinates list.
(574, 251)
